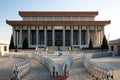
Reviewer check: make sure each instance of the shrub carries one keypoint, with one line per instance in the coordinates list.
(104, 45)
(90, 44)
(11, 45)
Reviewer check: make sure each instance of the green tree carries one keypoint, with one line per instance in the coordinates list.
(25, 43)
(104, 45)
(11, 45)
(90, 44)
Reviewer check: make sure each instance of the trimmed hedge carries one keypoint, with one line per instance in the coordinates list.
(102, 54)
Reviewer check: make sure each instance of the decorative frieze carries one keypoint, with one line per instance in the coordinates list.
(75, 27)
(40, 27)
(58, 27)
(83, 27)
(24, 27)
(68, 27)
(17, 28)
(32, 27)
(92, 28)
(49, 27)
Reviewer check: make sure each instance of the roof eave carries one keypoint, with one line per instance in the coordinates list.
(103, 23)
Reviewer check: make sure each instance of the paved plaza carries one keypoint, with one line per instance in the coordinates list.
(112, 62)
(78, 72)
(6, 64)
(37, 72)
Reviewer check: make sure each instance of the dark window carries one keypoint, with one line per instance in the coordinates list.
(67, 37)
(58, 37)
(83, 37)
(49, 38)
(75, 37)
(33, 37)
(41, 37)
(112, 48)
(5, 48)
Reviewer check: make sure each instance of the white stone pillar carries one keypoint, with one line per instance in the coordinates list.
(71, 35)
(96, 36)
(20, 37)
(64, 36)
(88, 35)
(36, 35)
(80, 35)
(102, 34)
(17, 37)
(53, 36)
(45, 34)
(29, 40)
(14, 35)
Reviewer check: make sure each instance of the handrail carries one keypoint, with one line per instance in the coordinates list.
(23, 68)
(47, 62)
(98, 71)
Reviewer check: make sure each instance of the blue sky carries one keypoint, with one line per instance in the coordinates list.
(108, 10)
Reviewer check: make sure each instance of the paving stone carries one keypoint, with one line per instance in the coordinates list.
(78, 72)
(6, 67)
(37, 72)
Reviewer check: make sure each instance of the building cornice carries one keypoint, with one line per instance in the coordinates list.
(14, 23)
(58, 13)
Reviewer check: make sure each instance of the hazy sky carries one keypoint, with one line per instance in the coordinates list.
(108, 10)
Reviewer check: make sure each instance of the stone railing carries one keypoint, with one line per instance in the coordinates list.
(98, 55)
(23, 68)
(67, 65)
(50, 64)
(99, 72)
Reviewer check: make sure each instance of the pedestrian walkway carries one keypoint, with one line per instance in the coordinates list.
(110, 62)
(37, 72)
(78, 72)
(6, 67)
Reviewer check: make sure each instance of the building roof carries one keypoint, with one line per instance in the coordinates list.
(15, 23)
(116, 41)
(57, 13)
(3, 42)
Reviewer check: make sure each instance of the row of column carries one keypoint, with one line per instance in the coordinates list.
(15, 36)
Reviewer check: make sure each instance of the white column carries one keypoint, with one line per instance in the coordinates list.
(103, 31)
(88, 35)
(71, 35)
(96, 36)
(102, 34)
(64, 36)
(45, 38)
(80, 35)
(53, 37)
(29, 40)
(14, 35)
(17, 37)
(36, 35)
(20, 36)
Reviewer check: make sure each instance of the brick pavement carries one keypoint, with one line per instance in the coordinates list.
(78, 72)
(6, 64)
(37, 72)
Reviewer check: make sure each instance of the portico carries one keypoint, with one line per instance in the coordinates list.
(60, 32)
(59, 35)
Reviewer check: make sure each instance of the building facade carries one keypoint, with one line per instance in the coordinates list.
(4, 47)
(114, 46)
(48, 28)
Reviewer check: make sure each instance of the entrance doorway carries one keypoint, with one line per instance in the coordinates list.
(58, 37)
